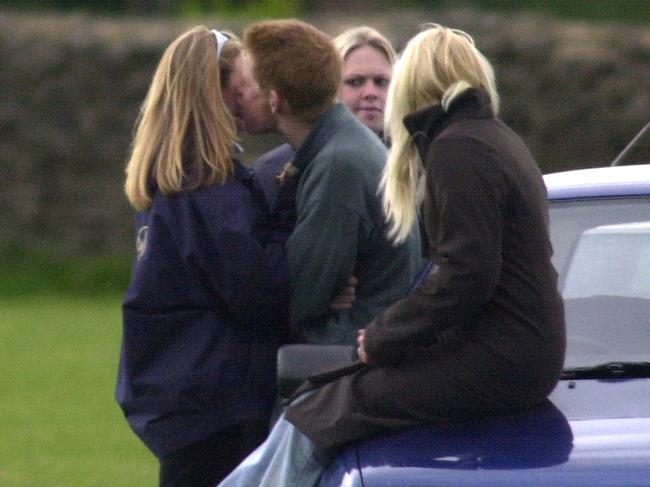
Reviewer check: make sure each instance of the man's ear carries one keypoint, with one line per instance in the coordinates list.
(275, 101)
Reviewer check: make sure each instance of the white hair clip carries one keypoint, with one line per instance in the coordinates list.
(222, 39)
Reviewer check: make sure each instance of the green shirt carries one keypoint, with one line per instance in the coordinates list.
(341, 232)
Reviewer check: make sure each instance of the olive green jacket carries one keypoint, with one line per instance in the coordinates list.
(341, 232)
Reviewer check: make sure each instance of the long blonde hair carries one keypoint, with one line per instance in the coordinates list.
(184, 112)
(437, 66)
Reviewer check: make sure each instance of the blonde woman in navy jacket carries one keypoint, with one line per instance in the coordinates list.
(207, 304)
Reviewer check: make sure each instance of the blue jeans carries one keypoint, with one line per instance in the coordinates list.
(287, 458)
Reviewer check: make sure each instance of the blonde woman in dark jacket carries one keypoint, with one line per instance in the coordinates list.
(484, 333)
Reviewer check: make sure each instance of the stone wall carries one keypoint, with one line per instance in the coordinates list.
(71, 86)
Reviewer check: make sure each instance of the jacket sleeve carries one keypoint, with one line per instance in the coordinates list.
(225, 240)
(322, 253)
(467, 195)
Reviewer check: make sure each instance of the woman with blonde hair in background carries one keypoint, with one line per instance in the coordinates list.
(207, 304)
(368, 59)
(484, 333)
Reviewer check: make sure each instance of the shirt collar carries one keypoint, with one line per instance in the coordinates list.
(425, 124)
(322, 130)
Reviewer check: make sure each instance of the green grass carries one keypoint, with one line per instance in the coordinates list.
(28, 272)
(59, 422)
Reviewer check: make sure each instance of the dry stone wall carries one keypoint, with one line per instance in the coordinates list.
(71, 86)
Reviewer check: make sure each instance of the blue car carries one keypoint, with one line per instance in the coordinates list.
(594, 430)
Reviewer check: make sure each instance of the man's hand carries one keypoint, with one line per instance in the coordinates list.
(361, 351)
(344, 300)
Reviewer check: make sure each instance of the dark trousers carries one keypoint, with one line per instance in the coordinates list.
(209, 461)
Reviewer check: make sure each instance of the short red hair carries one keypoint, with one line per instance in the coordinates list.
(298, 61)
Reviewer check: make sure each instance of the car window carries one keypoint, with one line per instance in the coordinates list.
(610, 260)
(602, 253)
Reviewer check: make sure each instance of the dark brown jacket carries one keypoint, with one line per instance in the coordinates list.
(484, 334)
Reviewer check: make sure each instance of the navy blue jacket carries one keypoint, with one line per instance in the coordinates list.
(267, 169)
(204, 314)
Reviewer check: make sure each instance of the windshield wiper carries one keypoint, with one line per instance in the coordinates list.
(610, 370)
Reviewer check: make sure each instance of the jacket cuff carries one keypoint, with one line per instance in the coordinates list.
(376, 344)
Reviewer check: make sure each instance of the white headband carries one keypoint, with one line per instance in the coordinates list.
(222, 39)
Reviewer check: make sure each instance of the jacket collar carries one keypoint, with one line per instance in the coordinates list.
(241, 172)
(323, 129)
(424, 125)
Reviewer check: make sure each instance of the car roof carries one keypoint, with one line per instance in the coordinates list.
(599, 182)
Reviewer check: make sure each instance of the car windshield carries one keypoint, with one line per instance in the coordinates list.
(602, 253)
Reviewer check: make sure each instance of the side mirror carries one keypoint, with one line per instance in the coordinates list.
(298, 362)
